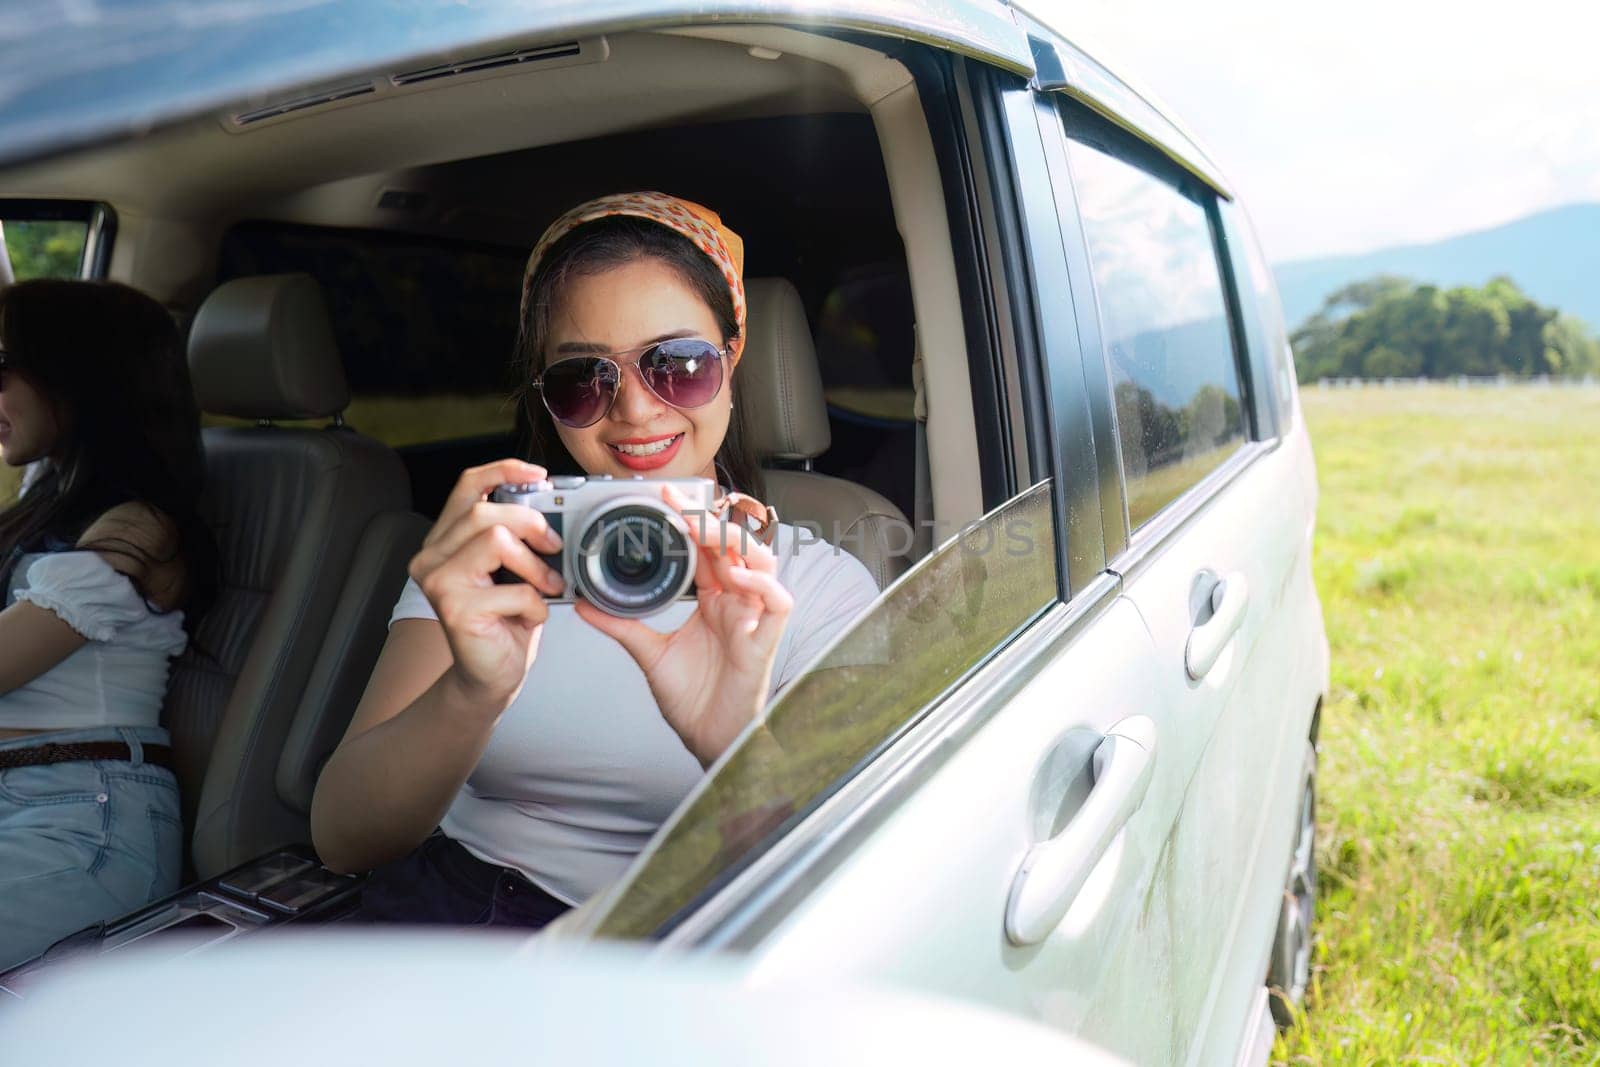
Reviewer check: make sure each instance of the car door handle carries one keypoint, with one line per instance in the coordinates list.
(1054, 871)
(1229, 598)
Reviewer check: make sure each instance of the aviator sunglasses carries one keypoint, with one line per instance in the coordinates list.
(684, 372)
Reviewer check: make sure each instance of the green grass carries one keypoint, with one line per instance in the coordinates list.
(1458, 560)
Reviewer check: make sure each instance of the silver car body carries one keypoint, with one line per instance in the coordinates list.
(603, 1006)
(928, 866)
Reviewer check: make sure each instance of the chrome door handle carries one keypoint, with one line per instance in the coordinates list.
(1054, 871)
(1229, 598)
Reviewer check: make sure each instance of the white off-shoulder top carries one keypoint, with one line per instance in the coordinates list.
(119, 677)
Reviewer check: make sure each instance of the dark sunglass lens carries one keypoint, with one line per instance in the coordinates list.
(578, 391)
(686, 373)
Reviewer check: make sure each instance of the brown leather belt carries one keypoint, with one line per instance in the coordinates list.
(50, 752)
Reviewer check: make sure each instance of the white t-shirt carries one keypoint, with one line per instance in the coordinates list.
(582, 769)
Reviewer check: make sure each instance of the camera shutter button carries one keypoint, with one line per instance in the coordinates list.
(567, 481)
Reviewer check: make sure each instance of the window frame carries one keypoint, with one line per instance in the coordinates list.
(99, 219)
(1020, 216)
(946, 102)
(1265, 355)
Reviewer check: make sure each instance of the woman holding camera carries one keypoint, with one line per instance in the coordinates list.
(104, 562)
(547, 741)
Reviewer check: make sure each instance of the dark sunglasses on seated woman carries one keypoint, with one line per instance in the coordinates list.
(685, 372)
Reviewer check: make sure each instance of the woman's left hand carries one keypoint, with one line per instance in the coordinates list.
(711, 675)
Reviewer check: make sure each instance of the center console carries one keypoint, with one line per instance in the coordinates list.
(287, 886)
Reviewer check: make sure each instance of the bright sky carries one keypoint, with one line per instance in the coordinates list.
(1368, 123)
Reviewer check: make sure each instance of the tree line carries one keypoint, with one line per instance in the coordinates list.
(44, 249)
(1392, 327)
(1167, 434)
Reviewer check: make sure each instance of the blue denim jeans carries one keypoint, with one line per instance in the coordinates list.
(85, 841)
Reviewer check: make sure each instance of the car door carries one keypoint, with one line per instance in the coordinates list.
(1207, 536)
(970, 793)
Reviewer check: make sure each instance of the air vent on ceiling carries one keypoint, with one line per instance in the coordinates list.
(300, 103)
(394, 86)
(481, 63)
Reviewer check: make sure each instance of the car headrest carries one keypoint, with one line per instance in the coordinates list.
(263, 348)
(778, 377)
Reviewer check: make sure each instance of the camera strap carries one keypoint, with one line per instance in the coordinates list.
(760, 519)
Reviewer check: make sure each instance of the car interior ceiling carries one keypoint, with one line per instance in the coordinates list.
(417, 223)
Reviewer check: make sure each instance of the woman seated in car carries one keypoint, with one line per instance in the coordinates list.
(548, 741)
(104, 562)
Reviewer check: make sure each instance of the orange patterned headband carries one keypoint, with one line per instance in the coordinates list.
(699, 224)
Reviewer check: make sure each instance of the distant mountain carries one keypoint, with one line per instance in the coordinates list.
(1554, 256)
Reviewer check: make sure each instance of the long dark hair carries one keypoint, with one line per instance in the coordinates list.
(593, 248)
(109, 362)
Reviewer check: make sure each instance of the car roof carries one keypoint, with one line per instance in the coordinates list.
(74, 78)
(1082, 71)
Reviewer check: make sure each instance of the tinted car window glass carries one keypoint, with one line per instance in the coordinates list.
(1164, 319)
(916, 642)
(425, 328)
(45, 248)
(865, 344)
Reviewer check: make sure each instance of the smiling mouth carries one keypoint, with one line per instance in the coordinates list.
(649, 449)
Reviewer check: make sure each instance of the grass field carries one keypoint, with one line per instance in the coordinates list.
(1458, 558)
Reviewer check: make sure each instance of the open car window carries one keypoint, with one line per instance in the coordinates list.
(924, 635)
(43, 248)
(54, 239)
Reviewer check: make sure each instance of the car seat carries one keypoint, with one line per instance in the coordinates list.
(288, 507)
(787, 414)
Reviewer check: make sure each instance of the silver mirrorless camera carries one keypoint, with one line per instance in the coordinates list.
(624, 549)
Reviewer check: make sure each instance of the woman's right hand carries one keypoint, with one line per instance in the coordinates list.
(493, 630)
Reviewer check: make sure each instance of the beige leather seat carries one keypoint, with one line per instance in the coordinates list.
(782, 389)
(356, 634)
(289, 507)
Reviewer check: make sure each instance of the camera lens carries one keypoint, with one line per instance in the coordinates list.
(636, 558)
(633, 551)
